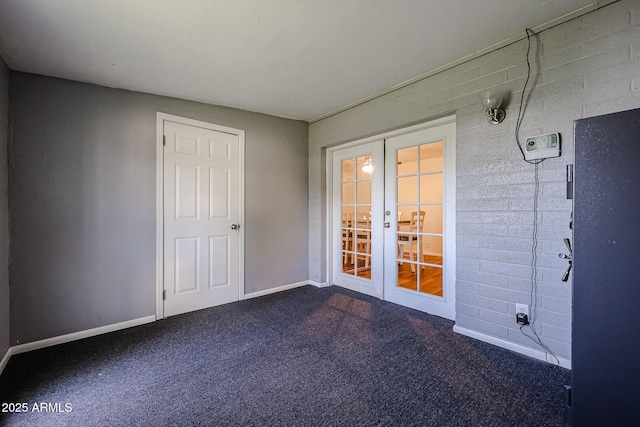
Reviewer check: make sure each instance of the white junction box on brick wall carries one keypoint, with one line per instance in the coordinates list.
(542, 147)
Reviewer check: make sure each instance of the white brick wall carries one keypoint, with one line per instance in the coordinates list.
(585, 67)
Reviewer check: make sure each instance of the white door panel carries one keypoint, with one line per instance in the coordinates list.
(201, 203)
(186, 191)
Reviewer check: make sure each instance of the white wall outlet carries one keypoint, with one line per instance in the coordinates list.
(522, 308)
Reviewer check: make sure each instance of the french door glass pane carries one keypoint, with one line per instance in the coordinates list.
(347, 263)
(432, 218)
(407, 190)
(407, 161)
(364, 192)
(348, 170)
(431, 249)
(431, 157)
(431, 188)
(431, 280)
(356, 216)
(407, 279)
(348, 193)
(364, 266)
(419, 183)
(347, 216)
(364, 216)
(364, 168)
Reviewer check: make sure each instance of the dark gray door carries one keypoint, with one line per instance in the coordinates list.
(606, 285)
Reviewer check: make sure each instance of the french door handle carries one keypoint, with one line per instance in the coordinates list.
(387, 225)
(569, 258)
(235, 226)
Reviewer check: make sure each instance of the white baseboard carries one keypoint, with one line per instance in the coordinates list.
(319, 285)
(5, 360)
(274, 290)
(527, 351)
(36, 345)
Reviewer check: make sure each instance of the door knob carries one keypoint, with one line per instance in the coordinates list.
(387, 225)
(234, 226)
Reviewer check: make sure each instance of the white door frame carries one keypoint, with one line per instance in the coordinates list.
(160, 119)
(329, 183)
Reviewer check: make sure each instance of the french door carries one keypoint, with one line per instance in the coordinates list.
(420, 240)
(357, 212)
(405, 253)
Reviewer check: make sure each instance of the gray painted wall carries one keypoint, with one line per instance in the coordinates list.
(4, 211)
(82, 202)
(585, 67)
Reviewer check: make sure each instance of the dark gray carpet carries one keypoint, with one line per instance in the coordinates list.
(305, 357)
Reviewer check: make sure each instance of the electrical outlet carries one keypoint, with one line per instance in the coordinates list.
(522, 308)
(522, 314)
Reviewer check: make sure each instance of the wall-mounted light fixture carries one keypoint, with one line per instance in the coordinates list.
(491, 100)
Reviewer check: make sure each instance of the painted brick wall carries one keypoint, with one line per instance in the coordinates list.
(584, 67)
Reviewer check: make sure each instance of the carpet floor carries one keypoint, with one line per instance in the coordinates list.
(304, 357)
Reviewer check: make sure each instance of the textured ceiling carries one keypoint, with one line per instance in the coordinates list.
(300, 59)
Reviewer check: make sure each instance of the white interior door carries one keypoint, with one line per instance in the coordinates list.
(202, 212)
(419, 266)
(358, 180)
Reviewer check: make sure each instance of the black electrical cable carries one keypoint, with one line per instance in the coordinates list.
(532, 294)
(534, 246)
(522, 103)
